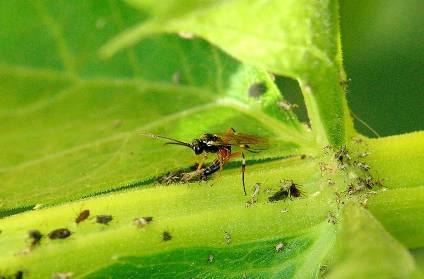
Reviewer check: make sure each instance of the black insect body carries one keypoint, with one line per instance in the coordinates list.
(59, 233)
(281, 194)
(166, 236)
(82, 216)
(35, 237)
(103, 219)
(221, 145)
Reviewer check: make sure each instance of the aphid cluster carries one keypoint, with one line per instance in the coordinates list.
(288, 189)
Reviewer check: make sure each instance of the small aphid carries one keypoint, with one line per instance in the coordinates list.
(35, 237)
(227, 237)
(257, 89)
(345, 83)
(279, 195)
(364, 203)
(211, 258)
(59, 233)
(303, 156)
(363, 166)
(82, 216)
(255, 194)
(62, 275)
(279, 247)
(363, 154)
(342, 155)
(142, 221)
(330, 181)
(295, 191)
(284, 105)
(323, 269)
(284, 210)
(103, 219)
(332, 218)
(166, 236)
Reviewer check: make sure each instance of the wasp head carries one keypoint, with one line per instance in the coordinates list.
(197, 146)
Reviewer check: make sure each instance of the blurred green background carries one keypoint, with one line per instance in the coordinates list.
(383, 46)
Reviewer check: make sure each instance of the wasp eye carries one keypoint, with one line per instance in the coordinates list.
(197, 149)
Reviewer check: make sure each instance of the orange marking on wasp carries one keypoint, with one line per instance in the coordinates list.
(221, 145)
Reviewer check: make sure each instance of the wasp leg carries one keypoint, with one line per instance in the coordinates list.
(205, 157)
(243, 168)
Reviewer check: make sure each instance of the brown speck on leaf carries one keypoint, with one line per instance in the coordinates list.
(82, 216)
(35, 237)
(257, 89)
(103, 219)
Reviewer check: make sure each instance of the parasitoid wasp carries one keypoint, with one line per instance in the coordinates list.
(221, 145)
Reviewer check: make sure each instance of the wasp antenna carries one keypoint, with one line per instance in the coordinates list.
(179, 143)
(172, 141)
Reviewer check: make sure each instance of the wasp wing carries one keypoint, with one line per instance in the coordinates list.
(249, 142)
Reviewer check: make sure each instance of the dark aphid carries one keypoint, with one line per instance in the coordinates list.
(281, 194)
(166, 236)
(344, 83)
(35, 237)
(82, 216)
(59, 233)
(257, 89)
(294, 191)
(19, 274)
(103, 219)
(142, 221)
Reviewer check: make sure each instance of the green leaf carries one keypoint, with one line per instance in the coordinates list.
(367, 250)
(71, 128)
(293, 38)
